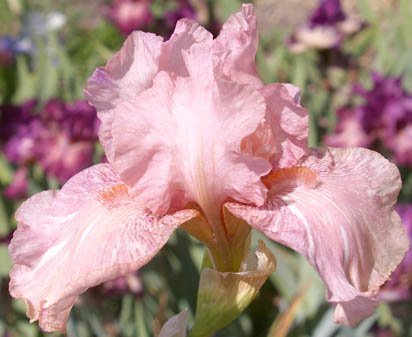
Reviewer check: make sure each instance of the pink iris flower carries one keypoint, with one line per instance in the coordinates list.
(191, 132)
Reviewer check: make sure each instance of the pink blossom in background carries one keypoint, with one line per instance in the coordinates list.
(384, 333)
(67, 146)
(130, 283)
(61, 158)
(129, 15)
(348, 131)
(19, 130)
(60, 138)
(77, 120)
(22, 146)
(401, 145)
(191, 132)
(19, 186)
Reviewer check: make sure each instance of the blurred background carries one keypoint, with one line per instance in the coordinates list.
(353, 61)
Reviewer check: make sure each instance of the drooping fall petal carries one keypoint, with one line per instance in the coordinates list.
(336, 209)
(89, 232)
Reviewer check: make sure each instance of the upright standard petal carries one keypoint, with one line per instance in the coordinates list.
(337, 209)
(89, 232)
(237, 44)
(128, 73)
(282, 136)
(180, 140)
(186, 34)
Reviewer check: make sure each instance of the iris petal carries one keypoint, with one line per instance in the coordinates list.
(89, 232)
(338, 212)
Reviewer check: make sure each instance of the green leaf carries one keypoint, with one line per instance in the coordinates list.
(26, 81)
(47, 64)
(141, 328)
(6, 171)
(223, 9)
(366, 10)
(299, 71)
(4, 218)
(26, 329)
(326, 327)
(5, 264)
(126, 316)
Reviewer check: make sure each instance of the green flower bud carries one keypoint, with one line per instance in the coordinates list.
(223, 296)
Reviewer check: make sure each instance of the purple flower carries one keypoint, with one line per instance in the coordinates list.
(77, 120)
(60, 138)
(67, 146)
(387, 104)
(385, 118)
(184, 10)
(22, 146)
(129, 15)
(325, 29)
(399, 287)
(328, 13)
(11, 117)
(387, 112)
